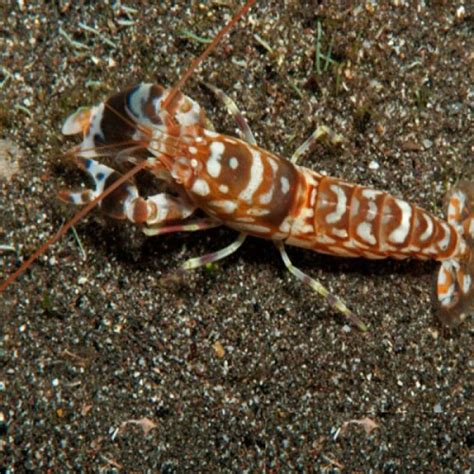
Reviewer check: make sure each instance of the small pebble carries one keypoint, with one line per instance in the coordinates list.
(427, 144)
(218, 349)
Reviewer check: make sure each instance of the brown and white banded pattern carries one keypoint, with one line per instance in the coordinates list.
(257, 192)
(354, 220)
(253, 191)
(246, 187)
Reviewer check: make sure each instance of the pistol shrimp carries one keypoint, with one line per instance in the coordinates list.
(238, 184)
(245, 187)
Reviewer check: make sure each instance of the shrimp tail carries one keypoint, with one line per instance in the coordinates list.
(455, 285)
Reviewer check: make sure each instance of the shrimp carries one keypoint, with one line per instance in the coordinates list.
(240, 185)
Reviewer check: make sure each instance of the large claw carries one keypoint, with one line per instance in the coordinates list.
(123, 202)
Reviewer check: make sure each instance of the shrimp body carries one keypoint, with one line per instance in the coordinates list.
(254, 191)
(241, 185)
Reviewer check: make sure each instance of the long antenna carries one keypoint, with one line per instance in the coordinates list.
(197, 61)
(70, 223)
(85, 210)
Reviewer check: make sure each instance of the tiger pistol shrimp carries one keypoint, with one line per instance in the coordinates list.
(238, 184)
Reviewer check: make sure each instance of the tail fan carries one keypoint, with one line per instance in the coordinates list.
(455, 287)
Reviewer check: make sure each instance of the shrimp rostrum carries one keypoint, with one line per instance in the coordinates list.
(240, 185)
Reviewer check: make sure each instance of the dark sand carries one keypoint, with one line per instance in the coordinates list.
(239, 367)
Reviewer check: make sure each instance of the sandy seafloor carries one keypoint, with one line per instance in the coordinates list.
(237, 368)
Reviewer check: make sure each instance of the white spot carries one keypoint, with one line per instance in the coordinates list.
(325, 239)
(372, 212)
(335, 216)
(370, 193)
(244, 219)
(258, 211)
(373, 256)
(226, 205)
(213, 164)
(193, 150)
(223, 188)
(429, 229)
(211, 134)
(364, 231)
(355, 206)
(194, 163)
(234, 163)
(267, 197)
(200, 187)
(342, 233)
(286, 225)
(442, 276)
(300, 226)
(456, 207)
(285, 184)
(312, 198)
(400, 233)
(191, 117)
(466, 284)
(260, 229)
(398, 256)
(443, 244)
(431, 250)
(256, 177)
(352, 244)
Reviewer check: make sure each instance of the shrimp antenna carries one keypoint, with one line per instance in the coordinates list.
(141, 165)
(85, 210)
(197, 61)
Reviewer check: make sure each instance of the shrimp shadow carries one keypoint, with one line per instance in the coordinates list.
(387, 281)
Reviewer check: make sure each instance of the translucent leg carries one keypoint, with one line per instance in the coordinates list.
(321, 132)
(333, 301)
(214, 256)
(234, 111)
(189, 226)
